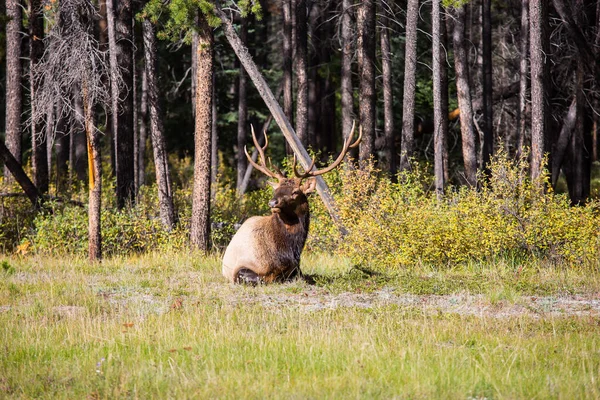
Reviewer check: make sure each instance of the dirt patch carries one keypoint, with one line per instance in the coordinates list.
(463, 304)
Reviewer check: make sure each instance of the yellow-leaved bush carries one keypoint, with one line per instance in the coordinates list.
(392, 225)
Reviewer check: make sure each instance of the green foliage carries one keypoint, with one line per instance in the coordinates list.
(16, 217)
(398, 225)
(178, 16)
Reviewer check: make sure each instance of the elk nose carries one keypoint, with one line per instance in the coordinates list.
(273, 203)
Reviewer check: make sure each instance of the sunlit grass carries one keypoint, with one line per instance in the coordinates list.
(169, 326)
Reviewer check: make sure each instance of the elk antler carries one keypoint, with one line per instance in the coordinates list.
(347, 146)
(263, 160)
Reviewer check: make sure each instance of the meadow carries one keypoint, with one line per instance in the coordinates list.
(167, 325)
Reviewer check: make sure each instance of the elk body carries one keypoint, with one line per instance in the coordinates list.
(267, 248)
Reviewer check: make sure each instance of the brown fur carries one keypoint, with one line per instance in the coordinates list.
(270, 246)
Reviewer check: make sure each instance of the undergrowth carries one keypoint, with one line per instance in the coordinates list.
(392, 225)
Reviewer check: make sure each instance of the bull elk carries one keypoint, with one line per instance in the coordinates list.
(267, 249)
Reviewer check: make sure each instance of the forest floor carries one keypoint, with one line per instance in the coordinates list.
(169, 326)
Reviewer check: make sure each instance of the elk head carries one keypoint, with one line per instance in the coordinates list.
(266, 249)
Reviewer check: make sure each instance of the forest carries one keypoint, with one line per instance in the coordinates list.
(113, 98)
(450, 248)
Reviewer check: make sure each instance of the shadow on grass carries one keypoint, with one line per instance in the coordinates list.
(356, 278)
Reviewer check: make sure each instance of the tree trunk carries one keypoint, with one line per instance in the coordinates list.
(62, 151)
(301, 67)
(410, 71)
(488, 117)
(103, 46)
(388, 100)
(440, 114)
(15, 168)
(143, 130)
(242, 114)
(347, 97)
(79, 148)
(13, 81)
(278, 115)
(366, 72)
(120, 39)
(287, 60)
(523, 69)
(95, 178)
(39, 159)
(200, 224)
(163, 180)
(537, 17)
(463, 89)
(214, 148)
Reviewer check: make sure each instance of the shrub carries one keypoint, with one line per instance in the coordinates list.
(395, 225)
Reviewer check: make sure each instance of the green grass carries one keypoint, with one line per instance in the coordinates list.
(169, 326)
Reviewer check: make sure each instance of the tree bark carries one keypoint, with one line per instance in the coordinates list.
(20, 176)
(39, 159)
(410, 71)
(13, 81)
(62, 151)
(464, 98)
(440, 110)
(488, 117)
(287, 60)
(95, 177)
(163, 180)
(301, 67)
(242, 130)
(278, 114)
(143, 130)
(538, 93)
(79, 149)
(523, 73)
(120, 38)
(347, 97)
(388, 99)
(366, 72)
(200, 224)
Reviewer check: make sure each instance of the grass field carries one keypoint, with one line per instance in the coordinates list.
(169, 326)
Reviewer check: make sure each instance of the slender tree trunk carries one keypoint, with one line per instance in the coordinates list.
(95, 178)
(523, 73)
(103, 46)
(388, 100)
(163, 180)
(278, 114)
(242, 113)
(15, 168)
(36, 51)
(79, 149)
(410, 71)
(538, 93)
(366, 72)
(120, 39)
(347, 97)
(200, 224)
(214, 149)
(463, 89)
(13, 80)
(488, 117)
(301, 68)
(440, 114)
(287, 59)
(62, 151)
(143, 130)
(444, 92)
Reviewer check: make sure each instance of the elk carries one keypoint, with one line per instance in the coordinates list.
(267, 248)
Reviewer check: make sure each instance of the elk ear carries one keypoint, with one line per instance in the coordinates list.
(273, 184)
(309, 186)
